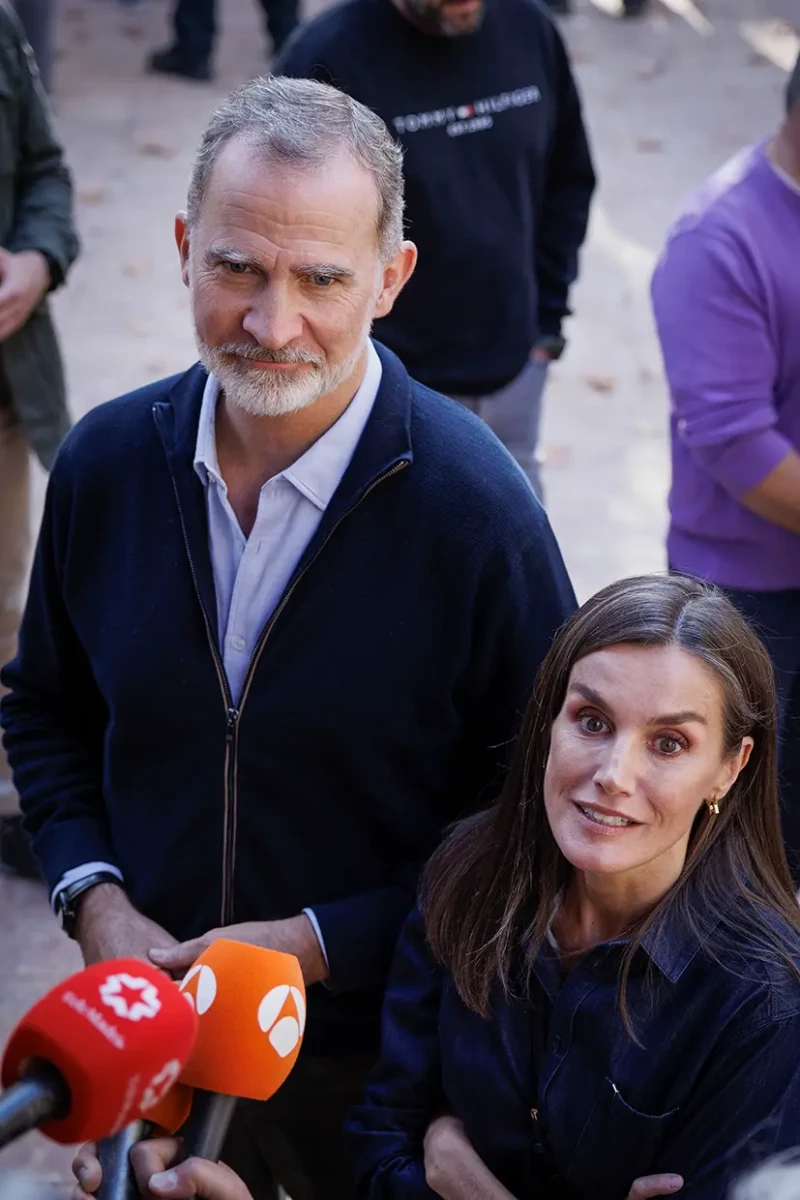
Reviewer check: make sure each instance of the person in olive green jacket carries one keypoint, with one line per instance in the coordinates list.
(38, 243)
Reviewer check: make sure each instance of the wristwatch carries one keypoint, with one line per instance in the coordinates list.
(553, 343)
(67, 901)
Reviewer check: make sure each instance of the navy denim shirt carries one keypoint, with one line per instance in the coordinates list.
(556, 1096)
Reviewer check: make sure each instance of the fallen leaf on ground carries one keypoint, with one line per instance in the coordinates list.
(649, 70)
(600, 383)
(140, 328)
(155, 149)
(92, 195)
(556, 458)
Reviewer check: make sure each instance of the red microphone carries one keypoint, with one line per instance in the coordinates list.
(252, 1008)
(95, 1052)
(169, 1114)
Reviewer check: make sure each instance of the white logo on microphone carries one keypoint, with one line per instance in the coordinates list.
(205, 989)
(159, 1085)
(143, 1003)
(283, 1034)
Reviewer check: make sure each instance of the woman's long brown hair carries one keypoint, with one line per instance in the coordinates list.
(490, 889)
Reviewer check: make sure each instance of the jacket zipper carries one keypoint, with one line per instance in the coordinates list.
(232, 713)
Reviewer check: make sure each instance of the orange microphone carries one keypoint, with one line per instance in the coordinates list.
(251, 1005)
(91, 1054)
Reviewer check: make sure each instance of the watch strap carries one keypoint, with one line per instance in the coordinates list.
(66, 904)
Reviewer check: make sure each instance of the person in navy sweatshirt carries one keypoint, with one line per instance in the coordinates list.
(285, 610)
(499, 178)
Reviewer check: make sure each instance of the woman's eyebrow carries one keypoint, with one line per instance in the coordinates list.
(677, 718)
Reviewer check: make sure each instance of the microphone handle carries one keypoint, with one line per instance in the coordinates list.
(118, 1179)
(207, 1124)
(39, 1095)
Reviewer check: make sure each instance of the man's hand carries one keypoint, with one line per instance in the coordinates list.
(108, 926)
(149, 1161)
(24, 281)
(295, 936)
(655, 1185)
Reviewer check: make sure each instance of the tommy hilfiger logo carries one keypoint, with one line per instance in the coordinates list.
(468, 118)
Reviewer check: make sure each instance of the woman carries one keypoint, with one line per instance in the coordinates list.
(602, 980)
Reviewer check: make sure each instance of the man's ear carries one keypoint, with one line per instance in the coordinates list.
(182, 240)
(396, 274)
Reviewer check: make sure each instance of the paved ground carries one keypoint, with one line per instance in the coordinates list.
(668, 99)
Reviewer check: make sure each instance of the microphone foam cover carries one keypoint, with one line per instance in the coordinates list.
(119, 1032)
(252, 1008)
(172, 1110)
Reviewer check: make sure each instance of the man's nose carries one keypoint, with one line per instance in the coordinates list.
(616, 772)
(273, 318)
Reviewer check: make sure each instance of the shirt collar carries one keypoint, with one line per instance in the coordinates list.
(317, 473)
(671, 944)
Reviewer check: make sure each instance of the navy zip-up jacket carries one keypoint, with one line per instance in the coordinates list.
(378, 705)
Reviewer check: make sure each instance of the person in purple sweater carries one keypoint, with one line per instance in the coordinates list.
(726, 295)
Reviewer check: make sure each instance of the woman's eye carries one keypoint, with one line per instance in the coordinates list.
(593, 724)
(669, 745)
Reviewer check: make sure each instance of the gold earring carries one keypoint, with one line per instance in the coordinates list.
(713, 807)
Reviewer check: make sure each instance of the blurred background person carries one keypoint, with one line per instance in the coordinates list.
(37, 21)
(195, 26)
(726, 295)
(499, 179)
(38, 243)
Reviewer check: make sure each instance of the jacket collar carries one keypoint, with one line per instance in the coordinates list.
(385, 444)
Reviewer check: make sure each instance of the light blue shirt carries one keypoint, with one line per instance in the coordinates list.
(251, 573)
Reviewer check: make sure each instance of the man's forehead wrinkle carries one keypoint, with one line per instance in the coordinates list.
(241, 206)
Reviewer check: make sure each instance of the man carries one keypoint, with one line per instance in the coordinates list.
(194, 21)
(281, 624)
(727, 303)
(38, 244)
(499, 179)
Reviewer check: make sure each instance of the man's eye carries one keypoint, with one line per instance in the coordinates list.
(237, 268)
(321, 281)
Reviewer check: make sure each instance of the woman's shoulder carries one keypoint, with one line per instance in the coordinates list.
(757, 958)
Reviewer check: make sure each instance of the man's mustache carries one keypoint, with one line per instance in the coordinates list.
(262, 354)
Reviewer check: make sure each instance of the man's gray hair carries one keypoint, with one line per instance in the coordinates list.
(793, 87)
(303, 123)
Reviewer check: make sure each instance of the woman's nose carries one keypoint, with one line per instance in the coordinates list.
(616, 772)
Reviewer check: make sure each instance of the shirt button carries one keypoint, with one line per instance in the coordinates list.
(237, 643)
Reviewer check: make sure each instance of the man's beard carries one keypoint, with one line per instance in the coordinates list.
(264, 393)
(431, 18)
